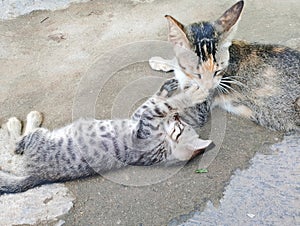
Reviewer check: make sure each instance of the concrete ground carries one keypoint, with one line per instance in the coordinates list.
(45, 56)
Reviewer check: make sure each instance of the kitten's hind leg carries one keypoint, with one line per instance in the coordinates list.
(160, 64)
(14, 128)
(10, 133)
(34, 120)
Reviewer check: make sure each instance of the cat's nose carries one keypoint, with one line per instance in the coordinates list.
(211, 91)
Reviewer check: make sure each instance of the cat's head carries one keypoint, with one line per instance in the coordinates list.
(201, 48)
(184, 140)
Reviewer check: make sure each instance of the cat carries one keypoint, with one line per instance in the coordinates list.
(87, 147)
(260, 82)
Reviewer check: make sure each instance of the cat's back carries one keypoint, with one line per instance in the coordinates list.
(278, 56)
(258, 63)
(267, 77)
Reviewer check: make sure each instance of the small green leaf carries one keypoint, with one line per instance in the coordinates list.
(201, 171)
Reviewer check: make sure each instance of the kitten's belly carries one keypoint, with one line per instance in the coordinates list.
(231, 105)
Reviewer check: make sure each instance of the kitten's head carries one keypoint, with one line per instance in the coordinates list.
(201, 48)
(183, 139)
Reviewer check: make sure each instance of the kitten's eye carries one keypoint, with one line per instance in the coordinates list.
(198, 75)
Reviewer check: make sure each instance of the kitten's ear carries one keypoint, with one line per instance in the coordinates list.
(199, 144)
(226, 23)
(176, 33)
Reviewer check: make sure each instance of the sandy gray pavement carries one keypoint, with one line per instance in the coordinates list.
(45, 55)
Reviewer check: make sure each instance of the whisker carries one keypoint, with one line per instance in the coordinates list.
(233, 81)
(232, 76)
(227, 75)
(223, 89)
(228, 87)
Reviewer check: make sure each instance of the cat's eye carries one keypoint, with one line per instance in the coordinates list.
(217, 73)
(199, 76)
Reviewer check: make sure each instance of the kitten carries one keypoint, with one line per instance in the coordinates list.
(88, 147)
(256, 81)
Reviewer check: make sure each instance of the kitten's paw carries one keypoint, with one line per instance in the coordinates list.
(168, 88)
(14, 127)
(160, 64)
(196, 94)
(34, 120)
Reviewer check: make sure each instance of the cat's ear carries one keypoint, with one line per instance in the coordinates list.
(176, 33)
(227, 23)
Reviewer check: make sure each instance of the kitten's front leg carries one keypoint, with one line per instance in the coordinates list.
(168, 88)
(197, 94)
(188, 98)
(160, 64)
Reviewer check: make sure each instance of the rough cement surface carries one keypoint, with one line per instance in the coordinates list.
(10, 9)
(268, 193)
(44, 55)
(43, 205)
(36, 206)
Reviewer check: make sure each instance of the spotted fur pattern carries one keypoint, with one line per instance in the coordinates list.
(84, 148)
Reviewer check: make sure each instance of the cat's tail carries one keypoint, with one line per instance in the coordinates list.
(10, 183)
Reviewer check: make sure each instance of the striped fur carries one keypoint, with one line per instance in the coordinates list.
(84, 148)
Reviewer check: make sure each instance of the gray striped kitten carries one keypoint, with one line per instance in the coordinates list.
(87, 147)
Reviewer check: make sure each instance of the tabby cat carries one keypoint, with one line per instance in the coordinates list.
(87, 147)
(256, 81)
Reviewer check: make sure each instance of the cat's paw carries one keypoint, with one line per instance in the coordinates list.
(34, 120)
(160, 64)
(14, 127)
(196, 94)
(168, 88)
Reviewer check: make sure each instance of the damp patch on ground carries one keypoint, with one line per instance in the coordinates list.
(267, 193)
